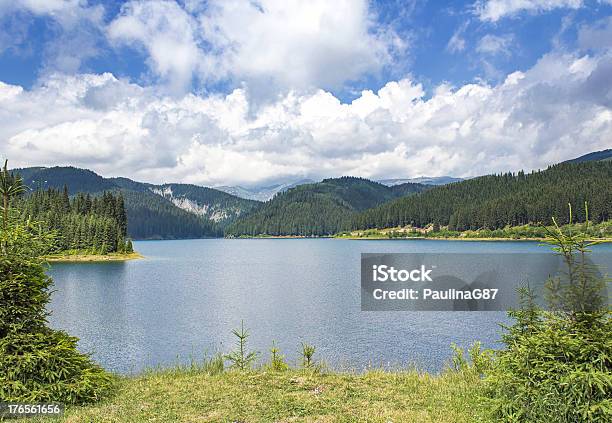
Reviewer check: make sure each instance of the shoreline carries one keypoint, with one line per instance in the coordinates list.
(431, 238)
(92, 258)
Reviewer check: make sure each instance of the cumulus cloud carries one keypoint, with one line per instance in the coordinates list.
(494, 10)
(167, 33)
(267, 44)
(297, 44)
(558, 109)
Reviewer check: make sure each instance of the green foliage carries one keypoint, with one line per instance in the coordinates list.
(277, 360)
(154, 217)
(84, 223)
(477, 360)
(152, 211)
(497, 201)
(557, 365)
(307, 355)
(528, 231)
(241, 358)
(36, 363)
(10, 188)
(318, 209)
(557, 371)
(579, 291)
(45, 366)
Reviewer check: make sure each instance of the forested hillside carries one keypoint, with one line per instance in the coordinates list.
(174, 211)
(594, 156)
(168, 211)
(77, 180)
(322, 208)
(94, 224)
(213, 204)
(508, 199)
(154, 217)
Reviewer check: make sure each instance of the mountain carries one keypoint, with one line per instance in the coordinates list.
(263, 193)
(154, 211)
(425, 180)
(78, 180)
(495, 201)
(322, 208)
(210, 203)
(595, 156)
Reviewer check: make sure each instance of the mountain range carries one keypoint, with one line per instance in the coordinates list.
(267, 192)
(425, 180)
(321, 208)
(262, 193)
(164, 211)
(303, 207)
(602, 155)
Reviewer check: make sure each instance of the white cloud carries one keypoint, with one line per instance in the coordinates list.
(598, 36)
(494, 10)
(457, 41)
(558, 109)
(75, 24)
(495, 44)
(167, 33)
(284, 44)
(297, 44)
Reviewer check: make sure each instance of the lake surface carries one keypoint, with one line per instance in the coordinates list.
(186, 296)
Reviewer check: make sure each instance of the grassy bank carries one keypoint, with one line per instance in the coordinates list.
(92, 257)
(288, 396)
(601, 231)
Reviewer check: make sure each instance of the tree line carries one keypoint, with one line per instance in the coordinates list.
(317, 209)
(508, 199)
(86, 223)
(155, 217)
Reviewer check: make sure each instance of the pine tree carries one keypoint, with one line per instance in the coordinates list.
(37, 363)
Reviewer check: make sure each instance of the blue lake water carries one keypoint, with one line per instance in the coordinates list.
(186, 296)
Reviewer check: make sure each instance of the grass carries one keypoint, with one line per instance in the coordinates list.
(92, 257)
(184, 395)
(600, 231)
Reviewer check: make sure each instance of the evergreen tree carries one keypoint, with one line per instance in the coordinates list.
(82, 223)
(496, 201)
(37, 363)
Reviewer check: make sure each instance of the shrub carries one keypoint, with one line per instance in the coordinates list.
(277, 360)
(307, 355)
(557, 365)
(478, 360)
(44, 366)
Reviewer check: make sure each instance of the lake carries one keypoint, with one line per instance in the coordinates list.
(186, 296)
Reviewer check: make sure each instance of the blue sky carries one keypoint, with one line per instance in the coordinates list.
(307, 89)
(427, 26)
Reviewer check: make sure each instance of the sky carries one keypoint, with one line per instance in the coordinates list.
(229, 92)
